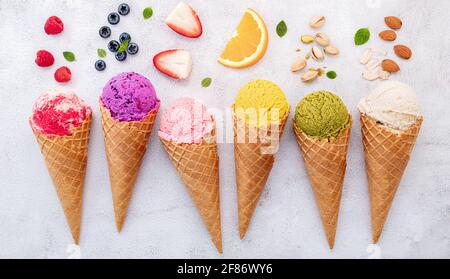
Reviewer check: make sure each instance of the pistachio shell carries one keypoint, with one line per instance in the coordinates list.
(331, 50)
(310, 76)
(317, 54)
(298, 65)
(322, 39)
(317, 22)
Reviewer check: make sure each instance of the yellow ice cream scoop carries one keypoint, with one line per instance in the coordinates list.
(261, 103)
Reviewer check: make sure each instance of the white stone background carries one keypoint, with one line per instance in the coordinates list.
(162, 220)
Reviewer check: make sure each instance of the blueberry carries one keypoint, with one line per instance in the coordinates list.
(121, 56)
(100, 65)
(114, 46)
(124, 37)
(105, 32)
(133, 48)
(113, 18)
(124, 9)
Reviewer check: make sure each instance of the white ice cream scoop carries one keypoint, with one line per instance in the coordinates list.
(394, 104)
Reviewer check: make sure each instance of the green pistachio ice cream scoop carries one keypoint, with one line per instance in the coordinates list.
(322, 115)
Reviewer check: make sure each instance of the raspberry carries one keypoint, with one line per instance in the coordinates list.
(53, 26)
(44, 58)
(63, 74)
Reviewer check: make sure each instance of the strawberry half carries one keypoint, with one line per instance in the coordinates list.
(185, 21)
(176, 63)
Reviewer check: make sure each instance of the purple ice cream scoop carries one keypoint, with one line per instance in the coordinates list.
(129, 97)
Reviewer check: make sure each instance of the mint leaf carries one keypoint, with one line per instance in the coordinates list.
(101, 53)
(148, 13)
(362, 36)
(331, 75)
(206, 82)
(123, 46)
(69, 56)
(282, 28)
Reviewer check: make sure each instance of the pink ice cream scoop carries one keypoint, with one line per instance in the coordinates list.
(129, 97)
(186, 121)
(57, 113)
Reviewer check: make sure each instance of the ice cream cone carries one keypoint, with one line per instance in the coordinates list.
(126, 144)
(254, 162)
(326, 163)
(198, 166)
(66, 159)
(387, 154)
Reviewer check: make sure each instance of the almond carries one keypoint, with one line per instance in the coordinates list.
(393, 22)
(403, 51)
(373, 64)
(384, 75)
(379, 51)
(388, 35)
(370, 75)
(367, 56)
(390, 66)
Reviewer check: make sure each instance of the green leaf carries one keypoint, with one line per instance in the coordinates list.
(148, 13)
(206, 82)
(282, 28)
(331, 75)
(362, 36)
(101, 53)
(69, 56)
(123, 46)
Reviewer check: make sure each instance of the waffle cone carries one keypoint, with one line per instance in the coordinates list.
(66, 160)
(387, 155)
(198, 166)
(126, 144)
(254, 161)
(326, 163)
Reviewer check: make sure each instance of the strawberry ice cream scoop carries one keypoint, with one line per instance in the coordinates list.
(186, 121)
(57, 113)
(129, 97)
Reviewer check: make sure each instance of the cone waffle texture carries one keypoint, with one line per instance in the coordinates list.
(126, 144)
(198, 166)
(326, 163)
(387, 155)
(253, 165)
(66, 159)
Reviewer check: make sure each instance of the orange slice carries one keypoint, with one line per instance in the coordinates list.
(248, 44)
